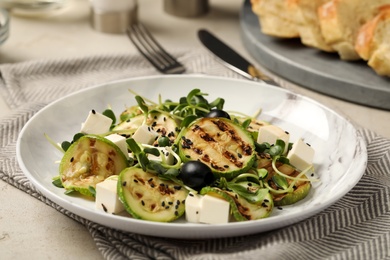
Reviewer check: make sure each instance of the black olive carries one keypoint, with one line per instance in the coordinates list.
(196, 174)
(218, 113)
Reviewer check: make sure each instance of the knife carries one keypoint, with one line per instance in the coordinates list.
(231, 58)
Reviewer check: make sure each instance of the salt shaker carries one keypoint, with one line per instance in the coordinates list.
(113, 16)
(186, 8)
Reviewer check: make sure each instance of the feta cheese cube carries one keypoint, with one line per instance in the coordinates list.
(270, 133)
(301, 155)
(107, 198)
(119, 141)
(169, 158)
(214, 210)
(96, 123)
(145, 135)
(193, 203)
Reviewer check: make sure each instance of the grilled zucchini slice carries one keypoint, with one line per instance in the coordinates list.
(162, 123)
(88, 161)
(242, 209)
(146, 196)
(224, 146)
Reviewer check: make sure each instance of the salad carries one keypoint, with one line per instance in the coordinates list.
(162, 160)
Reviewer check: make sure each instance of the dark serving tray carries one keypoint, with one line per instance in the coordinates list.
(312, 68)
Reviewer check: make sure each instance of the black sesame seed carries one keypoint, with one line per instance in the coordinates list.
(170, 203)
(176, 187)
(192, 195)
(287, 132)
(143, 203)
(163, 203)
(93, 111)
(124, 183)
(71, 159)
(136, 181)
(167, 207)
(176, 213)
(104, 208)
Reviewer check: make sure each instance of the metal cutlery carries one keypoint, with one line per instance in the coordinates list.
(147, 45)
(231, 58)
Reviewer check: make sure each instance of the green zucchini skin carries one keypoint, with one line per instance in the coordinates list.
(291, 198)
(241, 209)
(224, 146)
(88, 161)
(145, 196)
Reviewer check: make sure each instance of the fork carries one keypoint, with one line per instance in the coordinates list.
(153, 51)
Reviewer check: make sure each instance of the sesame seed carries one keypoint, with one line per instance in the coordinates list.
(71, 159)
(176, 213)
(124, 183)
(104, 208)
(93, 111)
(143, 203)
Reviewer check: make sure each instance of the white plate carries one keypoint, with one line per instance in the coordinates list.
(340, 158)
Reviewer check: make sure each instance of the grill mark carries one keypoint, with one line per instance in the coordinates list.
(233, 158)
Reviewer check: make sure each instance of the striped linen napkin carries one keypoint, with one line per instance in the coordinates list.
(356, 227)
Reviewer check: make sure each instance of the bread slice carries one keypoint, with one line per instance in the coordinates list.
(340, 21)
(373, 41)
(291, 19)
(278, 18)
(310, 30)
